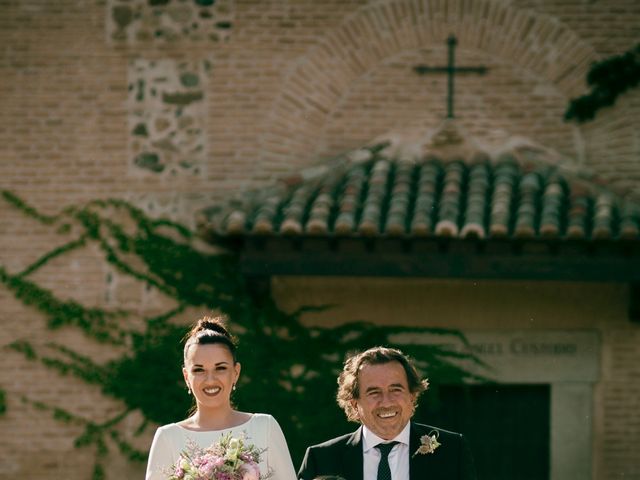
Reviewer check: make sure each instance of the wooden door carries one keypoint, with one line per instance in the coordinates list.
(507, 426)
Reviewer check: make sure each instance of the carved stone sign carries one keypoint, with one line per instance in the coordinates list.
(525, 356)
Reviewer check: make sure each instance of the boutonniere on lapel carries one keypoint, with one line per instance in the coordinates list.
(429, 443)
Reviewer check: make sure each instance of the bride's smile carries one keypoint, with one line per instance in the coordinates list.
(210, 373)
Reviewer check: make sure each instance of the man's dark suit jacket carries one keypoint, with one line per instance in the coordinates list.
(343, 457)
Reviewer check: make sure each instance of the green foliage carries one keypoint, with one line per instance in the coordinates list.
(3, 402)
(101, 325)
(23, 347)
(288, 370)
(154, 363)
(608, 79)
(28, 210)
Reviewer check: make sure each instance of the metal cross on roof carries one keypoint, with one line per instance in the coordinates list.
(451, 70)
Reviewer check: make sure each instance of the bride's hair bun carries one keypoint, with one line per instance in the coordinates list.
(210, 330)
(211, 323)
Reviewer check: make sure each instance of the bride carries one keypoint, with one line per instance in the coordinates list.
(211, 372)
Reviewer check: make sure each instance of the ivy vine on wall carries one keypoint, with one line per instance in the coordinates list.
(608, 79)
(288, 370)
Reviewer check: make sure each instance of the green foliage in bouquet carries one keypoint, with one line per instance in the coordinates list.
(288, 370)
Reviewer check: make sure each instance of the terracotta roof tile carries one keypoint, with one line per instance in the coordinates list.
(481, 198)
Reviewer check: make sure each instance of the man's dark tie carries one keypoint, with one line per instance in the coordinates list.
(384, 472)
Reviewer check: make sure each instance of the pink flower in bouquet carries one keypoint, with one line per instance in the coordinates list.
(178, 472)
(208, 464)
(250, 471)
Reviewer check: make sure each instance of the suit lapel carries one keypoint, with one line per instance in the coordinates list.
(416, 462)
(352, 456)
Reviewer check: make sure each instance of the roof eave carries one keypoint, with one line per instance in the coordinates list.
(599, 260)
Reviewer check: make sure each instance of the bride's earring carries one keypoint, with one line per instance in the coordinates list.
(234, 387)
(188, 390)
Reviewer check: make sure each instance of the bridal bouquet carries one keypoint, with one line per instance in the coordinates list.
(230, 458)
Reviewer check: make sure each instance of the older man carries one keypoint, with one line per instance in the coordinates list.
(379, 389)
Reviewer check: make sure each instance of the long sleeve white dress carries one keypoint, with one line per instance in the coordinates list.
(261, 429)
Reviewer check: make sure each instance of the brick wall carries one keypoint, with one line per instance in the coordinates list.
(618, 426)
(287, 85)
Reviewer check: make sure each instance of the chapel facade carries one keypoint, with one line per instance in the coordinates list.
(341, 150)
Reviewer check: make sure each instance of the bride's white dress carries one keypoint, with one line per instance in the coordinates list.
(261, 429)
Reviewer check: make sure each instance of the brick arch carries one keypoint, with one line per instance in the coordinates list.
(534, 43)
(612, 146)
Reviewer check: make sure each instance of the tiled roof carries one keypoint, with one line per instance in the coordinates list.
(480, 197)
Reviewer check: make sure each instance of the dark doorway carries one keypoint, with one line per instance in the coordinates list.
(507, 426)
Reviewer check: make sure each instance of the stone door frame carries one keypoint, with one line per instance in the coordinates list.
(567, 360)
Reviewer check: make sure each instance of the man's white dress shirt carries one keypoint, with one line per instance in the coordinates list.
(398, 457)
